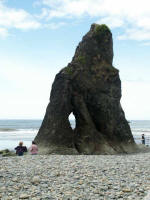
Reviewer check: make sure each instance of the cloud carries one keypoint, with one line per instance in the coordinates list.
(135, 34)
(135, 99)
(54, 25)
(16, 18)
(146, 44)
(133, 16)
(113, 23)
(11, 18)
(24, 91)
(3, 32)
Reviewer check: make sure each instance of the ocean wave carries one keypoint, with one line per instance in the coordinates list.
(7, 129)
(18, 135)
(19, 130)
(27, 131)
(141, 130)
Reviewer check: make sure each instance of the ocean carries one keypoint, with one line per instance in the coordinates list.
(13, 131)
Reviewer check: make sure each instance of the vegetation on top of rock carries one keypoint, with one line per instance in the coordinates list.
(100, 29)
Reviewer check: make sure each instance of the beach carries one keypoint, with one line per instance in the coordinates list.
(101, 177)
(74, 120)
(66, 177)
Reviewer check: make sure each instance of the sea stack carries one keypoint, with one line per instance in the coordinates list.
(90, 88)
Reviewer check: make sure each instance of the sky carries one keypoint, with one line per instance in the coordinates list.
(39, 37)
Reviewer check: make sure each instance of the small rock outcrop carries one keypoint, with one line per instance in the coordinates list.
(7, 153)
(90, 88)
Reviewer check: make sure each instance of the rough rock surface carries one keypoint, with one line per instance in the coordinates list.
(89, 87)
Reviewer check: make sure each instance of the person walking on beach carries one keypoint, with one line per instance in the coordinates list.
(20, 149)
(33, 149)
(143, 139)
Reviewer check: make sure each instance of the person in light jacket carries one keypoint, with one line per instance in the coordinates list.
(33, 149)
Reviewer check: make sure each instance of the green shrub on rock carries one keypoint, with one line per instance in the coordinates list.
(101, 29)
(81, 59)
(68, 70)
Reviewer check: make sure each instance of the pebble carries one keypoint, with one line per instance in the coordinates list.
(126, 190)
(24, 196)
(63, 177)
(35, 180)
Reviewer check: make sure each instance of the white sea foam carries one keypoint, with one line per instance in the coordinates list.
(10, 139)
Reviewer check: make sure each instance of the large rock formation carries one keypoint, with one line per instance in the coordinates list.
(89, 87)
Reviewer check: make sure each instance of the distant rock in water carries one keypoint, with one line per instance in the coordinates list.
(89, 87)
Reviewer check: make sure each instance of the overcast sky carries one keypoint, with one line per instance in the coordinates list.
(39, 37)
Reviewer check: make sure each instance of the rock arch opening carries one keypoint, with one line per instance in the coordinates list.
(72, 121)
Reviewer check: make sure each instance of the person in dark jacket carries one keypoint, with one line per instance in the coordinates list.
(143, 139)
(20, 149)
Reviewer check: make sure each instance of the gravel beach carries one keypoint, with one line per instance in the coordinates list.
(100, 177)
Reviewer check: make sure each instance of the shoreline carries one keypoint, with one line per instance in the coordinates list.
(75, 177)
(140, 149)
